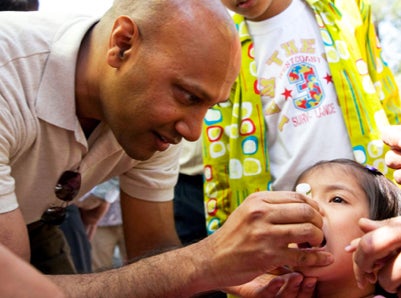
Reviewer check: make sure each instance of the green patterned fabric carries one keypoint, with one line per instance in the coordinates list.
(235, 152)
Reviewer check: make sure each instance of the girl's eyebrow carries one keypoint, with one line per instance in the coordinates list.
(337, 186)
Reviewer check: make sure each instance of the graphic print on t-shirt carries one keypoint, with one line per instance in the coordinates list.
(302, 90)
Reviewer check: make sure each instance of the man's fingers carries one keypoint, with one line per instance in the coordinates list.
(293, 234)
(283, 197)
(270, 285)
(309, 257)
(307, 287)
(292, 285)
(287, 285)
(295, 213)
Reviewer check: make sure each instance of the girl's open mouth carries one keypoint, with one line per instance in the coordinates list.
(306, 245)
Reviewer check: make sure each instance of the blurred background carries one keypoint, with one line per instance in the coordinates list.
(387, 14)
(93, 7)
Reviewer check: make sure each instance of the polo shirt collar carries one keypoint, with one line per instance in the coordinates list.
(56, 94)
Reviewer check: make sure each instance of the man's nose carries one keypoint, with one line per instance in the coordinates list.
(191, 127)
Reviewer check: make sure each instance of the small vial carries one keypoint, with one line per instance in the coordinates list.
(304, 188)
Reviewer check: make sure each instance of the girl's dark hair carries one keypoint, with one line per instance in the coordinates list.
(383, 195)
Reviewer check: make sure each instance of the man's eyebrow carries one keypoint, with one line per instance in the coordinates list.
(196, 90)
(208, 99)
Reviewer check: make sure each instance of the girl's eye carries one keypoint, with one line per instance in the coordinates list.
(337, 200)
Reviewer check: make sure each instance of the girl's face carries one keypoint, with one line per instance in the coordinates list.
(342, 203)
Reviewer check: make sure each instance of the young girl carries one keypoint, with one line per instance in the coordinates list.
(346, 191)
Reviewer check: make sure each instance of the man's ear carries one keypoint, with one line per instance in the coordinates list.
(121, 40)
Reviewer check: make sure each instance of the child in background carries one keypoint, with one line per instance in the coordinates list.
(101, 213)
(346, 191)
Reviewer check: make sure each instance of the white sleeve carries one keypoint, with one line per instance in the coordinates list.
(154, 179)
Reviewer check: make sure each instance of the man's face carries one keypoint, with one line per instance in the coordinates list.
(162, 92)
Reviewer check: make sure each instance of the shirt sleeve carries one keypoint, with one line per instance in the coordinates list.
(153, 179)
(8, 198)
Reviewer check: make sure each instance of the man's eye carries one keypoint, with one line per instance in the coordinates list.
(190, 99)
(186, 97)
(337, 200)
(193, 98)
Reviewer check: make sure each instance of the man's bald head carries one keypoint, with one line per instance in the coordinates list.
(177, 56)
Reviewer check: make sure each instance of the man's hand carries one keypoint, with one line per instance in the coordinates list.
(289, 285)
(255, 238)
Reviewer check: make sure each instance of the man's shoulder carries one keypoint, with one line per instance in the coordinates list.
(23, 34)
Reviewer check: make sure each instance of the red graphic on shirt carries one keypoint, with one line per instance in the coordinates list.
(328, 78)
(287, 93)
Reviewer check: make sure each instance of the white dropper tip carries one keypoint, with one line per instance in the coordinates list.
(304, 188)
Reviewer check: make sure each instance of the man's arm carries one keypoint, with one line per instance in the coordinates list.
(254, 240)
(19, 279)
(148, 226)
(14, 234)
